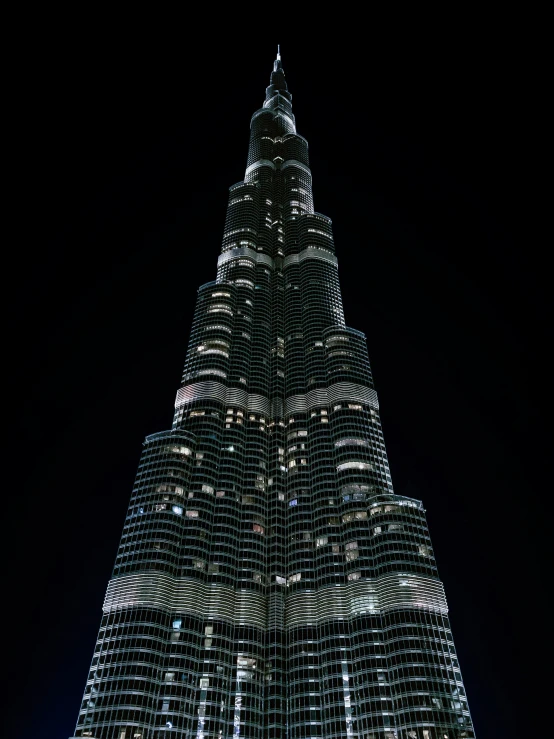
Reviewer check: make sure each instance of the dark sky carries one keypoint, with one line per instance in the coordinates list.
(419, 155)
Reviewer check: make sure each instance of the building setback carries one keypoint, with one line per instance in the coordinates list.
(269, 583)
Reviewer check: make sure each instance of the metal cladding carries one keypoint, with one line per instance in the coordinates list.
(269, 582)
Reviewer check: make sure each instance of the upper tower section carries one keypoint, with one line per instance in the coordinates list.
(275, 117)
(273, 137)
(277, 95)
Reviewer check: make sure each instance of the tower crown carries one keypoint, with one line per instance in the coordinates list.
(278, 83)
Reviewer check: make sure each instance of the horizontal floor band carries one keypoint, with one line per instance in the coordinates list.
(341, 391)
(258, 164)
(157, 590)
(311, 252)
(244, 252)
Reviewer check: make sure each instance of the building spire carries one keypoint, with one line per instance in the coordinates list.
(277, 64)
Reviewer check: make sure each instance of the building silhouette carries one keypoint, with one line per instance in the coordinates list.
(269, 583)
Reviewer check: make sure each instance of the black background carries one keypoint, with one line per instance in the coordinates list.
(420, 155)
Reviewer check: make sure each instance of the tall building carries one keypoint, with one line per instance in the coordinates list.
(269, 583)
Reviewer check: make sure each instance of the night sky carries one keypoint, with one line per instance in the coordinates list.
(419, 156)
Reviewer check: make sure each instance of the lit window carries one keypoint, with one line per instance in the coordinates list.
(354, 515)
(257, 528)
(354, 575)
(179, 450)
(207, 489)
(177, 509)
(321, 541)
(354, 466)
(192, 514)
(293, 502)
(352, 442)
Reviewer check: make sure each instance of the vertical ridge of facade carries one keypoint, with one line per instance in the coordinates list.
(269, 583)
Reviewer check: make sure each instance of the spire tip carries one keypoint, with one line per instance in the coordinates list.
(279, 52)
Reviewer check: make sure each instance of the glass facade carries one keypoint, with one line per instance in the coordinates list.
(269, 583)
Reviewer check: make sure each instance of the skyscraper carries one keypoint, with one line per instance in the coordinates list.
(269, 582)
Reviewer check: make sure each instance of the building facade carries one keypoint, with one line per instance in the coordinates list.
(269, 583)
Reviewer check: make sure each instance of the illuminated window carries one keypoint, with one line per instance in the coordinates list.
(354, 515)
(352, 442)
(354, 466)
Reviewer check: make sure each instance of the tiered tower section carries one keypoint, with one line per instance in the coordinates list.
(269, 583)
